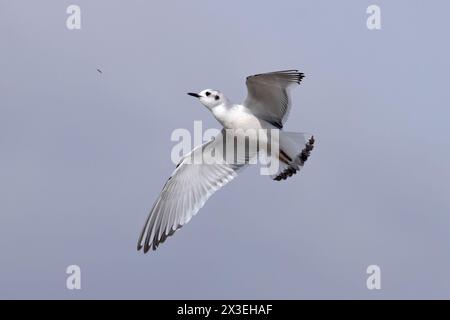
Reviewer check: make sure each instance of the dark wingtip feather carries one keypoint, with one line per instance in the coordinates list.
(304, 155)
(306, 152)
(293, 72)
(152, 245)
(300, 77)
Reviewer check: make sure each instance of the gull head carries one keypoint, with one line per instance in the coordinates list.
(210, 98)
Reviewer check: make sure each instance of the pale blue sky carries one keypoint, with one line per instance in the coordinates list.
(83, 155)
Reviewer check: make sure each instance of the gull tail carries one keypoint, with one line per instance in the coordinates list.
(295, 149)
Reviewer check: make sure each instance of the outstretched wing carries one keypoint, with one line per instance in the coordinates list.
(268, 96)
(187, 190)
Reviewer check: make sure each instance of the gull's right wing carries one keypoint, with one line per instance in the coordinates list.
(187, 190)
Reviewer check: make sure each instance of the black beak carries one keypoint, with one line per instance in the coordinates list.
(194, 94)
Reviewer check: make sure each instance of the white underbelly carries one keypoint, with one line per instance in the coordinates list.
(237, 119)
(247, 125)
(243, 122)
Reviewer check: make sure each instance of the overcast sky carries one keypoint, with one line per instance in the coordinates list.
(83, 155)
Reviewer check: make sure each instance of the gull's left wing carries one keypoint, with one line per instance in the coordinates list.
(268, 96)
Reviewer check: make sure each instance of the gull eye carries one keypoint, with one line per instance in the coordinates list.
(217, 98)
(208, 93)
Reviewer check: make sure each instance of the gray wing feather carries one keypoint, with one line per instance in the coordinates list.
(268, 96)
(186, 191)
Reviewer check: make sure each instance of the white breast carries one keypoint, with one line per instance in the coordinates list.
(236, 117)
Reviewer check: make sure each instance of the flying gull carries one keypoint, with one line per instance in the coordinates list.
(191, 184)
